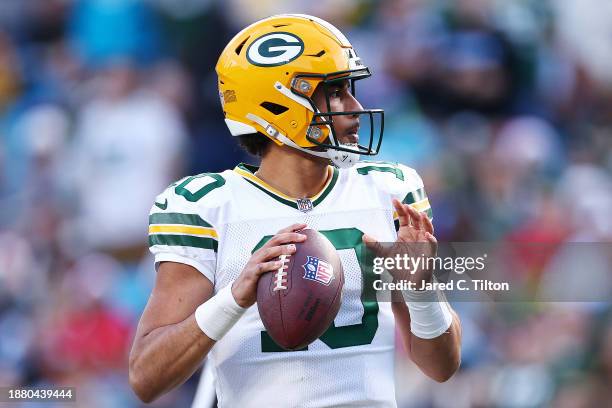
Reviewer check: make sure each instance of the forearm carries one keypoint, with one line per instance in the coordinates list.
(166, 357)
(438, 358)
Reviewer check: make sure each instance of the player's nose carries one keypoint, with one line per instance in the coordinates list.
(353, 104)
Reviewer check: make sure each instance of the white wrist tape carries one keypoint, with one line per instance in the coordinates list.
(430, 316)
(219, 313)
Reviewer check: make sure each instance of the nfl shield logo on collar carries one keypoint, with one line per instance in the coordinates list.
(304, 204)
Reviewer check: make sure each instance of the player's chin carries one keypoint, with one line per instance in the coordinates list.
(349, 139)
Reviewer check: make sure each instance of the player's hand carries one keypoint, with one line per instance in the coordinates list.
(263, 260)
(415, 238)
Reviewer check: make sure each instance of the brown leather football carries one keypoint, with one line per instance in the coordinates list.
(298, 302)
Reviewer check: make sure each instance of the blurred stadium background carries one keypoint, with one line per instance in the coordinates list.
(504, 107)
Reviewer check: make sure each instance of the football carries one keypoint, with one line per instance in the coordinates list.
(299, 301)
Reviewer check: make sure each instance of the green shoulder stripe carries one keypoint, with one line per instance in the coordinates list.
(183, 240)
(178, 218)
(415, 196)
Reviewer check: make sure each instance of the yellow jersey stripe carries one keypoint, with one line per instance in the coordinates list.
(422, 205)
(183, 229)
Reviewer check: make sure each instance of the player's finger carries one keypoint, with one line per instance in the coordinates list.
(404, 220)
(265, 254)
(293, 228)
(431, 238)
(268, 266)
(415, 217)
(284, 238)
(427, 223)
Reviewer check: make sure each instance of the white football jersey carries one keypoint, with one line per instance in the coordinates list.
(214, 221)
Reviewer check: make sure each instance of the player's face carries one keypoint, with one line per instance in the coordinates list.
(341, 99)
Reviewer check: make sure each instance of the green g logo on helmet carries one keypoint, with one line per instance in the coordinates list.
(274, 49)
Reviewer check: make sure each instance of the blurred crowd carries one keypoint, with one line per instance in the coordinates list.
(503, 106)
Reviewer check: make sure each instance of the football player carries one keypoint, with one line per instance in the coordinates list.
(287, 86)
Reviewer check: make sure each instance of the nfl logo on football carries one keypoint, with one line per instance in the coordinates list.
(318, 270)
(304, 204)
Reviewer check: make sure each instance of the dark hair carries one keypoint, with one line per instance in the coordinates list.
(256, 144)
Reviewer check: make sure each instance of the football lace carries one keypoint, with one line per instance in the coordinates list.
(281, 274)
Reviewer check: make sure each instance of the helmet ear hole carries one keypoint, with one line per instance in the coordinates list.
(274, 108)
(318, 54)
(239, 47)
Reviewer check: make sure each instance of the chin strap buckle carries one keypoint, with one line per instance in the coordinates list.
(270, 130)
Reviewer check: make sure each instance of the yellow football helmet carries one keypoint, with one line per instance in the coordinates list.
(268, 73)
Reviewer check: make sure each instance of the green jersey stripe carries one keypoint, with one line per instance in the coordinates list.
(183, 240)
(414, 196)
(178, 218)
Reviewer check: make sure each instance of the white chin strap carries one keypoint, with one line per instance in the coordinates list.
(339, 158)
(342, 159)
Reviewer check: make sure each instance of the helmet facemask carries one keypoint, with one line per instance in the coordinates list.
(321, 131)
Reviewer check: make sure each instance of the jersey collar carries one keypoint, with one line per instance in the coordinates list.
(246, 171)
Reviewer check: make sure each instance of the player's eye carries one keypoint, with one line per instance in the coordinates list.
(335, 93)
